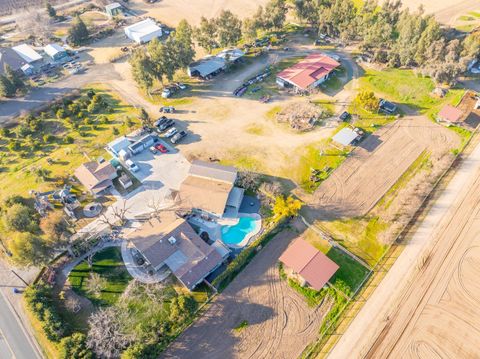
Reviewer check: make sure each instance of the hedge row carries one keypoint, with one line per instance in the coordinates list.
(240, 262)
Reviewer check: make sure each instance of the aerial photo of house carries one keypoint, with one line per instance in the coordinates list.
(239, 179)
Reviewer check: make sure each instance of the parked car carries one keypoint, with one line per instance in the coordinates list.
(161, 148)
(387, 106)
(182, 86)
(171, 132)
(166, 124)
(160, 121)
(178, 137)
(132, 166)
(167, 109)
(152, 149)
(345, 116)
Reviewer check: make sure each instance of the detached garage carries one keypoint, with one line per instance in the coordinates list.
(143, 31)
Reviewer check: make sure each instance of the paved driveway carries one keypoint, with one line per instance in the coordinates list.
(161, 169)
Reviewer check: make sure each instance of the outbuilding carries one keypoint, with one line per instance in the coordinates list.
(307, 264)
(345, 136)
(143, 31)
(114, 9)
(308, 73)
(56, 52)
(143, 143)
(212, 65)
(27, 53)
(450, 114)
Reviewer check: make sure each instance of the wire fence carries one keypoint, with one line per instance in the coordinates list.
(327, 339)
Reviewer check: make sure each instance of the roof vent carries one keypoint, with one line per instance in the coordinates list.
(172, 240)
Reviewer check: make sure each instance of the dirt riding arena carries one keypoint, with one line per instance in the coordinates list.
(374, 166)
(438, 314)
(280, 324)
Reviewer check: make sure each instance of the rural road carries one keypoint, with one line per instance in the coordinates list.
(13, 338)
(415, 287)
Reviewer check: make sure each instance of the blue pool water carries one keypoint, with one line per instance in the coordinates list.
(237, 233)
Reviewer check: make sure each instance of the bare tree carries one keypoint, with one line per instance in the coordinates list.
(72, 304)
(248, 180)
(120, 213)
(106, 337)
(95, 284)
(34, 22)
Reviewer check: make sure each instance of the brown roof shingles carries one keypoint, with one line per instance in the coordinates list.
(152, 241)
(95, 176)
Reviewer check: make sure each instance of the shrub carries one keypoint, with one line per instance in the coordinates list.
(48, 138)
(90, 94)
(115, 131)
(39, 301)
(4, 132)
(68, 139)
(74, 347)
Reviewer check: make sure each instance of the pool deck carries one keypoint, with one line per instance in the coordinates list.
(214, 229)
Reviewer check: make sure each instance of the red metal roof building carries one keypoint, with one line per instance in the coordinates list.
(309, 263)
(450, 114)
(308, 73)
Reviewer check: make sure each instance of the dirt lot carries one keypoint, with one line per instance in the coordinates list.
(172, 11)
(374, 166)
(445, 11)
(280, 324)
(427, 305)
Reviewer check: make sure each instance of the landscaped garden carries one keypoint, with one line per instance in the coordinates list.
(114, 277)
(126, 317)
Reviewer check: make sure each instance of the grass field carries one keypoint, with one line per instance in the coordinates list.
(17, 168)
(359, 235)
(322, 156)
(407, 88)
(109, 265)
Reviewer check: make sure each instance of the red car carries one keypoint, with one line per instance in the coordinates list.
(161, 148)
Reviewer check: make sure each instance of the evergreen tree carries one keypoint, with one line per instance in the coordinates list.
(7, 89)
(51, 11)
(14, 78)
(78, 33)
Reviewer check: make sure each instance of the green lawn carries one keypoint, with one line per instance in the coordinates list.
(402, 86)
(406, 88)
(351, 273)
(17, 168)
(322, 156)
(359, 235)
(108, 264)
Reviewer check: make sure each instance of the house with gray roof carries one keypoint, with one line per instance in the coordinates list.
(170, 242)
(11, 58)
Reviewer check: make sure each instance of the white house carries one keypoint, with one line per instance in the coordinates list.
(143, 31)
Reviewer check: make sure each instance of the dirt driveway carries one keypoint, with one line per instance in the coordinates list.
(374, 166)
(280, 324)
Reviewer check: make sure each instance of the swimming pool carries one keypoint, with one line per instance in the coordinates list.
(239, 234)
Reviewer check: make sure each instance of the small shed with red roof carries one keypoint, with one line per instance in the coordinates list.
(308, 73)
(308, 264)
(450, 114)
